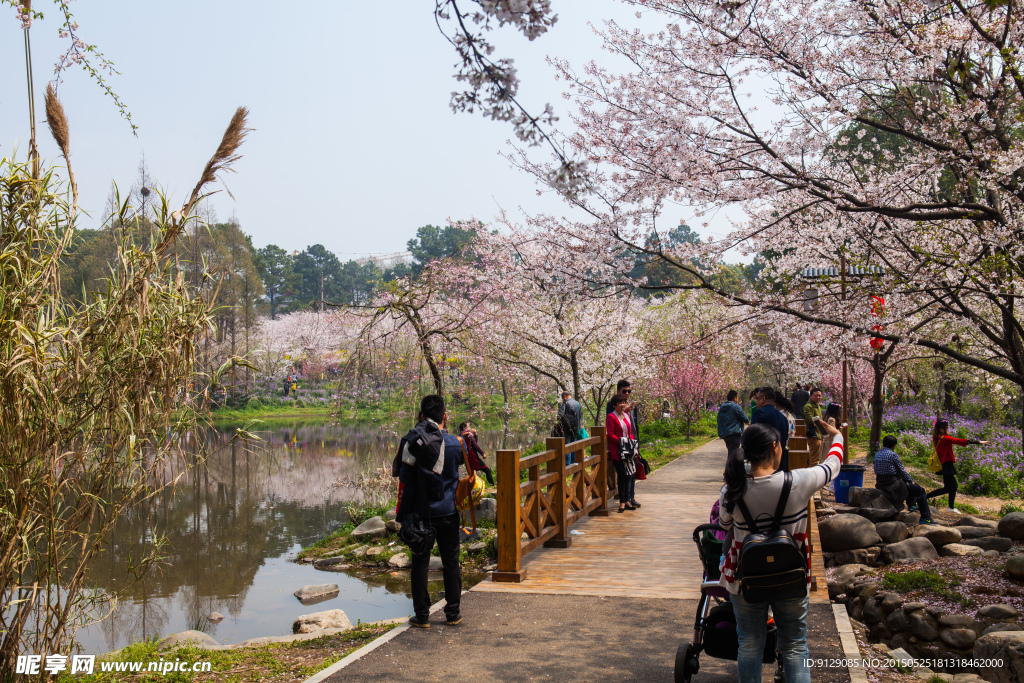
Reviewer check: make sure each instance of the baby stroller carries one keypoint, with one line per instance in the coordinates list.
(714, 630)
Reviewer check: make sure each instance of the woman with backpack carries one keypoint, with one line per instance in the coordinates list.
(766, 512)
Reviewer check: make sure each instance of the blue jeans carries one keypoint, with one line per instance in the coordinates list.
(752, 630)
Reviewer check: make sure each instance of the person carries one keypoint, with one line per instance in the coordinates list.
(476, 454)
(943, 444)
(570, 415)
(800, 398)
(618, 426)
(731, 419)
(891, 479)
(753, 400)
(753, 474)
(768, 414)
(441, 515)
(625, 388)
(812, 410)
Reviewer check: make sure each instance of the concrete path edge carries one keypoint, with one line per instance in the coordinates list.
(848, 638)
(324, 674)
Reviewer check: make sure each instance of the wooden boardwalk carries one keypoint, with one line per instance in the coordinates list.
(647, 553)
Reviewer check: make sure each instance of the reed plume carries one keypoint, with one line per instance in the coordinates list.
(222, 159)
(58, 122)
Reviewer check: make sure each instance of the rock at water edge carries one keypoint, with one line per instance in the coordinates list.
(371, 528)
(197, 638)
(316, 591)
(318, 621)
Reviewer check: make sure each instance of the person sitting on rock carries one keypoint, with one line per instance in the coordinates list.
(896, 485)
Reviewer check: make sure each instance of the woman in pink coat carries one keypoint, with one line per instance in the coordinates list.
(622, 450)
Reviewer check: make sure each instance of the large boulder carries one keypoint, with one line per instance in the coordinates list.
(892, 532)
(970, 520)
(847, 532)
(863, 497)
(959, 550)
(997, 543)
(923, 625)
(849, 572)
(1015, 566)
(195, 638)
(998, 611)
(958, 638)
(911, 549)
(318, 621)
(371, 528)
(938, 535)
(487, 510)
(975, 531)
(1012, 526)
(908, 518)
(1004, 652)
(877, 515)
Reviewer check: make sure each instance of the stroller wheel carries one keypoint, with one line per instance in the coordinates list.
(687, 663)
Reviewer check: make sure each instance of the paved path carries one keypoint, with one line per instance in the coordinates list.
(613, 607)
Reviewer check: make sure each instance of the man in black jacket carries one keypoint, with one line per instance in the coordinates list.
(440, 514)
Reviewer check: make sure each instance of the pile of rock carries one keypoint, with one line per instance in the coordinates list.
(871, 531)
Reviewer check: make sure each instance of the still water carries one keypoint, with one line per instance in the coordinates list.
(233, 529)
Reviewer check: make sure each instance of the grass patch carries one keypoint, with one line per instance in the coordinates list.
(918, 579)
(1010, 507)
(274, 662)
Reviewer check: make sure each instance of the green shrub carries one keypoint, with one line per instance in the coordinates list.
(1010, 507)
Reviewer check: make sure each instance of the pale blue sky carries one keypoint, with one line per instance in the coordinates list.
(354, 144)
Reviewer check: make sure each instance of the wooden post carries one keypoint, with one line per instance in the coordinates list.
(602, 471)
(556, 493)
(510, 549)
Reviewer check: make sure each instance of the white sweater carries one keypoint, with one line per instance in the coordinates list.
(762, 497)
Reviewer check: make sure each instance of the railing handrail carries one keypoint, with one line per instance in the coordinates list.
(547, 518)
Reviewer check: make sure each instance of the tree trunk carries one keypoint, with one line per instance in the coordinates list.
(853, 399)
(575, 365)
(877, 406)
(435, 370)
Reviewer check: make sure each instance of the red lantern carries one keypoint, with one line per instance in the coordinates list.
(877, 311)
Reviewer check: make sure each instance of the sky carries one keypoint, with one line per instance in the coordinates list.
(354, 144)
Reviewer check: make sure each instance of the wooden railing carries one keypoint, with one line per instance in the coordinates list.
(545, 505)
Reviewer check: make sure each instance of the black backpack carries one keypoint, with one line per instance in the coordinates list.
(424, 441)
(771, 565)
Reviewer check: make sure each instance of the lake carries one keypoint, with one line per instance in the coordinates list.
(233, 529)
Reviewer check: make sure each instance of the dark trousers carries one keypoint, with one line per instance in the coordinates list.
(949, 484)
(627, 482)
(488, 475)
(916, 496)
(447, 529)
(732, 442)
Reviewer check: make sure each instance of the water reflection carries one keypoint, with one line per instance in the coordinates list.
(230, 528)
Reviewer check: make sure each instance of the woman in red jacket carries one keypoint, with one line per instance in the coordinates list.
(943, 444)
(620, 431)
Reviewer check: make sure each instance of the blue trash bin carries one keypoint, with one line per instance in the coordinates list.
(849, 475)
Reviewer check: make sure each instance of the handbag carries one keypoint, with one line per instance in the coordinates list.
(771, 565)
(582, 434)
(641, 474)
(466, 486)
(646, 465)
(417, 534)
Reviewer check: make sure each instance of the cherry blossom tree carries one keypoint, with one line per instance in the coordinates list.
(878, 140)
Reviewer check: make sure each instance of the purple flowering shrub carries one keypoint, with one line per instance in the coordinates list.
(993, 469)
